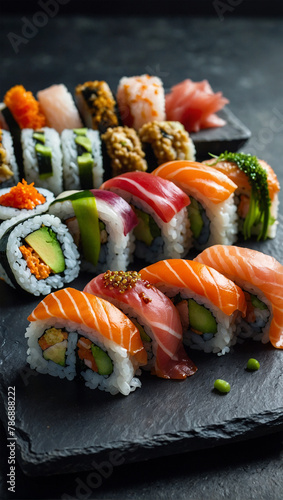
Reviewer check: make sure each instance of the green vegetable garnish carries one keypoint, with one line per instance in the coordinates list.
(253, 364)
(259, 209)
(221, 385)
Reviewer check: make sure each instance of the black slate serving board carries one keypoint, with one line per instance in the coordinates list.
(64, 427)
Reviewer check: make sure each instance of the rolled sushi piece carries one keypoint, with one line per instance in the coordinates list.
(261, 278)
(82, 159)
(24, 200)
(37, 254)
(75, 332)
(165, 141)
(59, 108)
(163, 230)
(256, 194)
(155, 317)
(97, 105)
(122, 151)
(212, 212)
(209, 304)
(140, 99)
(42, 157)
(102, 226)
(9, 172)
(24, 108)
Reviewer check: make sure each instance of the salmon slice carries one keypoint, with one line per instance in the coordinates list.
(261, 271)
(201, 279)
(95, 313)
(196, 177)
(139, 299)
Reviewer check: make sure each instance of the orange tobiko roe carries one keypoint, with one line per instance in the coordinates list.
(24, 108)
(21, 196)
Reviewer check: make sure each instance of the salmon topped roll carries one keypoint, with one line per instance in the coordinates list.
(209, 303)
(73, 332)
(256, 194)
(212, 211)
(155, 317)
(261, 278)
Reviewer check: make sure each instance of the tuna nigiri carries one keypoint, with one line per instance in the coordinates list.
(208, 302)
(212, 211)
(156, 318)
(261, 277)
(71, 328)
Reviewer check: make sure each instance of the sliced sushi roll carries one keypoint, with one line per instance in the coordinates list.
(59, 108)
(163, 230)
(212, 211)
(140, 100)
(75, 332)
(256, 194)
(82, 159)
(102, 226)
(42, 157)
(261, 278)
(9, 172)
(122, 151)
(24, 200)
(155, 317)
(97, 105)
(37, 254)
(165, 141)
(209, 303)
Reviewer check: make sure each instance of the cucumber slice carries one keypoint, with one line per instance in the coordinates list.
(44, 160)
(85, 164)
(103, 361)
(257, 303)
(147, 229)
(194, 213)
(200, 318)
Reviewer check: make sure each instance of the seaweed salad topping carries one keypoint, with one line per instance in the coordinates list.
(259, 208)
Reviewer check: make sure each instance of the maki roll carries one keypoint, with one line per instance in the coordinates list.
(42, 158)
(102, 226)
(122, 151)
(97, 105)
(212, 211)
(256, 194)
(160, 206)
(140, 100)
(59, 108)
(24, 200)
(37, 254)
(209, 303)
(165, 141)
(9, 173)
(261, 278)
(155, 317)
(82, 159)
(73, 332)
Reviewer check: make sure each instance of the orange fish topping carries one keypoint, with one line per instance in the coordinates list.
(35, 263)
(24, 107)
(22, 196)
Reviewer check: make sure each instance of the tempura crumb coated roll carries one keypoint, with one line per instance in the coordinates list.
(209, 304)
(261, 278)
(155, 316)
(73, 332)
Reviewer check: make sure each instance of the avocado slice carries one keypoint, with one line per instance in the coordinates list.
(56, 353)
(257, 303)
(85, 164)
(194, 213)
(200, 318)
(103, 361)
(147, 229)
(46, 245)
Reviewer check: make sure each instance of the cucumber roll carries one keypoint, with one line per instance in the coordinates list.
(9, 173)
(42, 158)
(37, 254)
(82, 158)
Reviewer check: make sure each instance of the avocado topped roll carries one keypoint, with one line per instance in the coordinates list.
(82, 158)
(42, 158)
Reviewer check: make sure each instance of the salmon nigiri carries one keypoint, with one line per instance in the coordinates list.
(212, 211)
(156, 317)
(74, 331)
(208, 302)
(261, 276)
